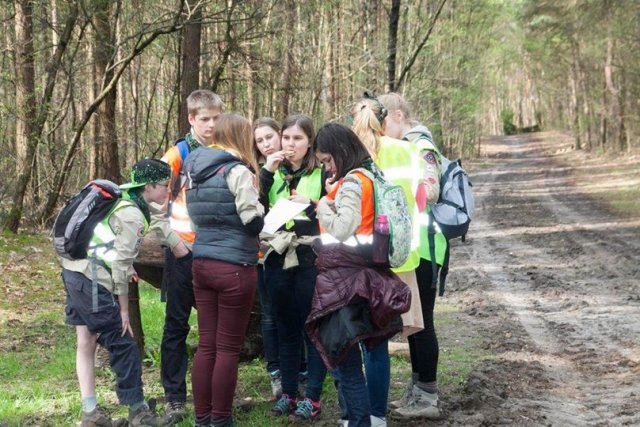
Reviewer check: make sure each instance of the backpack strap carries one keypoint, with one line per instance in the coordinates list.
(183, 148)
(437, 279)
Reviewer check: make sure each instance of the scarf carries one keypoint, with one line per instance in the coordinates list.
(288, 176)
(135, 197)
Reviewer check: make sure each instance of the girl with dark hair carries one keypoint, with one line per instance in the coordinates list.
(289, 265)
(355, 301)
(268, 147)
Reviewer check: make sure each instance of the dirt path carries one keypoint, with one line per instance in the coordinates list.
(552, 283)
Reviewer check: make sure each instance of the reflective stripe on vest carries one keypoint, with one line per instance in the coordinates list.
(353, 241)
(310, 185)
(101, 246)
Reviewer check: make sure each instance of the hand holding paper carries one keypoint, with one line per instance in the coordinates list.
(283, 211)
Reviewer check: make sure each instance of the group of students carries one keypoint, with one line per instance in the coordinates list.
(326, 306)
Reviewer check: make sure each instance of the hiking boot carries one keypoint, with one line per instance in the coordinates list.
(406, 397)
(283, 406)
(223, 422)
(95, 418)
(276, 383)
(303, 377)
(174, 412)
(421, 405)
(307, 411)
(143, 416)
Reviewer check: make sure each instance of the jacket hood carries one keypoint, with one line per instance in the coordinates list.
(421, 130)
(205, 162)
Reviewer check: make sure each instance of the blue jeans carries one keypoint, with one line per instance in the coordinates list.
(173, 350)
(378, 370)
(268, 325)
(292, 293)
(378, 373)
(352, 390)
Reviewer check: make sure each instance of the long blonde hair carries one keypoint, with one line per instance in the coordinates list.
(366, 124)
(234, 133)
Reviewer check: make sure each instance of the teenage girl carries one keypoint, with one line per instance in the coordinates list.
(266, 133)
(290, 264)
(222, 200)
(401, 164)
(352, 293)
(421, 401)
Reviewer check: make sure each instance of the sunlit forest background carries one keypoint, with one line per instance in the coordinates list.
(87, 87)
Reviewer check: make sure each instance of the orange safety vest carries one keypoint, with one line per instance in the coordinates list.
(364, 233)
(179, 220)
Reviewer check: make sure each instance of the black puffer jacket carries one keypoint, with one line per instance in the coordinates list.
(353, 302)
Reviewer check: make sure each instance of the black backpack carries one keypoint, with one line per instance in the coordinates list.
(74, 225)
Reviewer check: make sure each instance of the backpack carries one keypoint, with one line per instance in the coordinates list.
(74, 225)
(456, 203)
(390, 200)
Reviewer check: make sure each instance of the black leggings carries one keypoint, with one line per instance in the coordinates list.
(423, 346)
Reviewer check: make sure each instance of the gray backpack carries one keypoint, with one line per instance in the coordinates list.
(455, 206)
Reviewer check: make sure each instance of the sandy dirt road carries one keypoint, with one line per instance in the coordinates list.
(550, 281)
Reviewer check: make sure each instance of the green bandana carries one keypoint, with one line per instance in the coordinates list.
(135, 197)
(288, 176)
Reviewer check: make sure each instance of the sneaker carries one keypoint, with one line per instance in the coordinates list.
(303, 377)
(276, 383)
(143, 416)
(406, 397)
(343, 423)
(95, 418)
(307, 411)
(421, 405)
(283, 406)
(378, 422)
(174, 412)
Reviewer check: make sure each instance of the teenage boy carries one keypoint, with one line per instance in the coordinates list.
(174, 229)
(106, 321)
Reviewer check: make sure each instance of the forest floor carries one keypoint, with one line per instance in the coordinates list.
(549, 278)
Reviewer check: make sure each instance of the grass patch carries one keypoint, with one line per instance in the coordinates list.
(37, 350)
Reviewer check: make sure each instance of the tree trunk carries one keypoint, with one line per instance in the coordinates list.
(394, 17)
(109, 162)
(190, 76)
(26, 138)
(287, 75)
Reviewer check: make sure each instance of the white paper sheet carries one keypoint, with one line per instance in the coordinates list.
(280, 213)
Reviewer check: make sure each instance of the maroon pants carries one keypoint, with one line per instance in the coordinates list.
(224, 295)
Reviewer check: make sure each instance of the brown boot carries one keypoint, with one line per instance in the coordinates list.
(95, 418)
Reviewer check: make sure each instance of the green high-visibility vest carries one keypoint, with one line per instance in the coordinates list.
(310, 185)
(101, 246)
(421, 144)
(399, 161)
